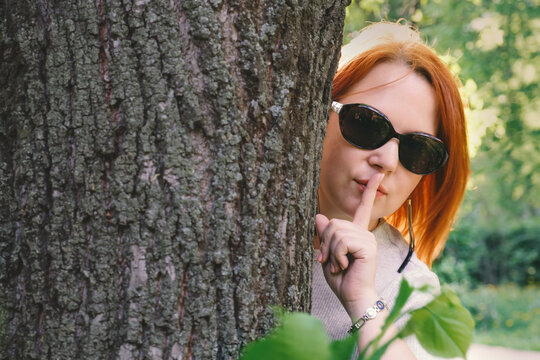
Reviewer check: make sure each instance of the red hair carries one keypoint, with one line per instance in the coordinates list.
(438, 196)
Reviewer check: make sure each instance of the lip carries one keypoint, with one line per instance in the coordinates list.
(363, 183)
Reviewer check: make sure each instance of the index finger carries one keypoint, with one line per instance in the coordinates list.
(362, 214)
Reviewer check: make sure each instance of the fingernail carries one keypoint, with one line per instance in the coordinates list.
(332, 268)
(319, 257)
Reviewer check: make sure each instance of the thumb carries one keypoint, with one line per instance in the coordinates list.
(321, 222)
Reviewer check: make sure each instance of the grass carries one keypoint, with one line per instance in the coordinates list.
(506, 315)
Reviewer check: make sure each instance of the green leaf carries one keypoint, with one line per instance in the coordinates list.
(443, 327)
(344, 348)
(379, 352)
(405, 291)
(299, 336)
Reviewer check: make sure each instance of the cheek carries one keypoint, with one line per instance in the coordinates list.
(332, 166)
(333, 150)
(405, 183)
(408, 182)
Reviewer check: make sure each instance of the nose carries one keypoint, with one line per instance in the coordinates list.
(386, 158)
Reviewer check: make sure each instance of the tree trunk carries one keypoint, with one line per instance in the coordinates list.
(158, 171)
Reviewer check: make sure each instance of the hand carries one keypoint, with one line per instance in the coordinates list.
(348, 251)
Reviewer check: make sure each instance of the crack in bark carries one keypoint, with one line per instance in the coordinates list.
(104, 52)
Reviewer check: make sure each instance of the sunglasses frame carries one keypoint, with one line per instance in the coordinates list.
(337, 107)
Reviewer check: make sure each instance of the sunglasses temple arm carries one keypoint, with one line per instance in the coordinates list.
(336, 107)
(411, 238)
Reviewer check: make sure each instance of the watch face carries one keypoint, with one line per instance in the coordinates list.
(371, 313)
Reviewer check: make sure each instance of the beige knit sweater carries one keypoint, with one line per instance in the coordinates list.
(391, 252)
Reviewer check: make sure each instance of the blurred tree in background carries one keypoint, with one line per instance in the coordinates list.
(493, 46)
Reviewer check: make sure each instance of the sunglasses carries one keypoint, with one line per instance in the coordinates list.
(367, 128)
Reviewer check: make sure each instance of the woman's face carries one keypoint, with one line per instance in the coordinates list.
(410, 105)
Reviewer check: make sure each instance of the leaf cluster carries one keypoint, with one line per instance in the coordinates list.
(443, 327)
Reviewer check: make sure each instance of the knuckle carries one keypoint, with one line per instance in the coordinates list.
(333, 223)
(339, 234)
(343, 244)
(336, 236)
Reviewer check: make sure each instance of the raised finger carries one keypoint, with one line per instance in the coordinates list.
(362, 215)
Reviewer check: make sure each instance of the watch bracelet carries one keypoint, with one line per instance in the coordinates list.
(369, 314)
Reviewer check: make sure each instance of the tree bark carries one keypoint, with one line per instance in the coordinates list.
(158, 171)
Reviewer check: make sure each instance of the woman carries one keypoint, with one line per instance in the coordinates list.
(398, 144)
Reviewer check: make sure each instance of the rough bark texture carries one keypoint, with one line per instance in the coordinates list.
(158, 171)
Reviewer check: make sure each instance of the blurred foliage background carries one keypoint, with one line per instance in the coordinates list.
(492, 257)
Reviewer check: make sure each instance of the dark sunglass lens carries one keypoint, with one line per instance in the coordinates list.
(363, 127)
(421, 154)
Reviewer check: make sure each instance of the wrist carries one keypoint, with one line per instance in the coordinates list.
(356, 308)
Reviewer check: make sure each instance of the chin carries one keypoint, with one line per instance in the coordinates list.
(375, 214)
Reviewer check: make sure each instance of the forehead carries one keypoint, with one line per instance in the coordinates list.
(404, 96)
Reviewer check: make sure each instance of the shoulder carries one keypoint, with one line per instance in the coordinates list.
(393, 250)
(418, 274)
(424, 280)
